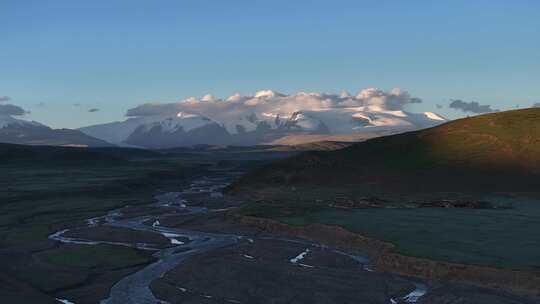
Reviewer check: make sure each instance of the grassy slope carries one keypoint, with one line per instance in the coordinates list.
(499, 150)
(467, 158)
(500, 238)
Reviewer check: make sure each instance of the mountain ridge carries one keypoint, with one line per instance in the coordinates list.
(263, 118)
(18, 131)
(498, 151)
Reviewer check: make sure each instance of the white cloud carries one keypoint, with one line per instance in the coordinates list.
(286, 105)
(208, 98)
(268, 105)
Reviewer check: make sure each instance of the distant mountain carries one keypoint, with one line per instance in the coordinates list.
(493, 152)
(267, 117)
(182, 130)
(18, 131)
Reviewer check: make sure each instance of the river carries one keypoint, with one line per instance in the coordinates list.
(135, 288)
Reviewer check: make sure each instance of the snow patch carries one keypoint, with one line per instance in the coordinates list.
(305, 265)
(173, 238)
(170, 235)
(176, 242)
(183, 120)
(434, 116)
(416, 294)
(300, 257)
(185, 115)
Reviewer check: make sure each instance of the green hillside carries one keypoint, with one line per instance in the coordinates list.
(492, 152)
(492, 158)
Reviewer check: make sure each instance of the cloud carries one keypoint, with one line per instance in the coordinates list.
(9, 109)
(272, 106)
(77, 104)
(285, 105)
(472, 107)
(536, 105)
(93, 110)
(439, 106)
(4, 99)
(152, 109)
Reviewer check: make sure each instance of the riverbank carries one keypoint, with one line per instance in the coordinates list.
(384, 258)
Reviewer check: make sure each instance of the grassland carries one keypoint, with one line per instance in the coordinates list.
(46, 189)
(493, 157)
(498, 238)
(498, 151)
(503, 238)
(41, 198)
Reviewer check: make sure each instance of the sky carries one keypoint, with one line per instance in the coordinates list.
(76, 63)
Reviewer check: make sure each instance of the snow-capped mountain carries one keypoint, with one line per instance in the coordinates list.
(19, 131)
(155, 131)
(182, 130)
(9, 121)
(264, 117)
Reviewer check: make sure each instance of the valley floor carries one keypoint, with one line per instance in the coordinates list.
(187, 245)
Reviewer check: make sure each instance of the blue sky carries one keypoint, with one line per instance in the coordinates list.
(115, 54)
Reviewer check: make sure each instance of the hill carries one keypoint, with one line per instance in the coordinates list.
(294, 140)
(40, 154)
(492, 152)
(456, 196)
(19, 131)
(312, 146)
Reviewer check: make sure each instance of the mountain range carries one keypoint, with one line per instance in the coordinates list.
(268, 117)
(19, 131)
